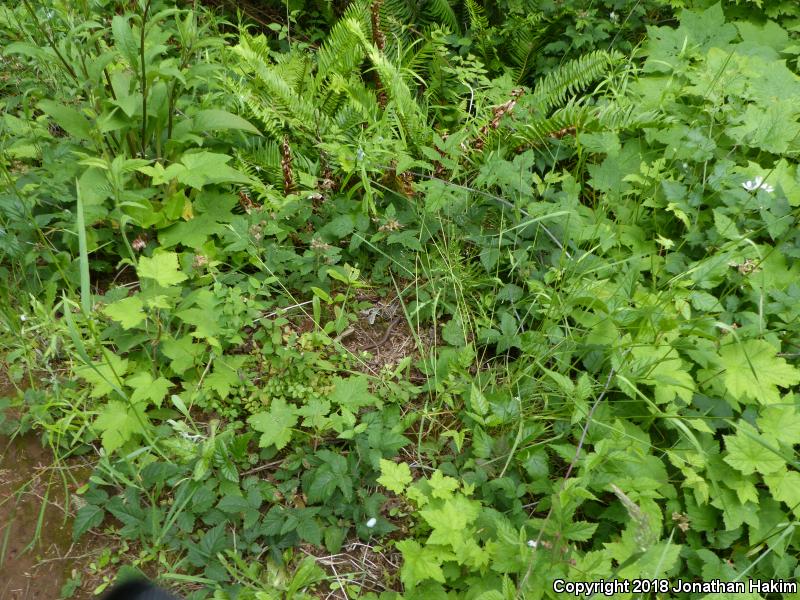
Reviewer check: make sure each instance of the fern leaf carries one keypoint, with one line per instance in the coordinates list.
(571, 78)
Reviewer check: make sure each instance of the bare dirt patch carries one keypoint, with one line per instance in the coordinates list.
(366, 566)
(37, 554)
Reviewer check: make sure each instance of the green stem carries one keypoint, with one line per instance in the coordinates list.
(144, 79)
(50, 40)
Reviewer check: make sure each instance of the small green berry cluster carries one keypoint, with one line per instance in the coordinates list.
(298, 384)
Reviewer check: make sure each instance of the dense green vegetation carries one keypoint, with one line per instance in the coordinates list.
(409, 300)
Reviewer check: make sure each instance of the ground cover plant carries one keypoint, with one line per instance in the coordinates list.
(408, 300)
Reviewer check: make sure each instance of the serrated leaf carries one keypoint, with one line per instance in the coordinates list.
(725, 226)
(663, 368)
(420, 563)
(394, 476)
(225, 375)
(450, 519)
(754, 372)
(453, 333)
(88, 517)
(353, 393)
(781, 423)
(785, 487)
(192, 233)
(747, 454)
(308, 529)
(232, 504)
(478, 401)
(442, 486)
(579, 531)
(103, 375)
(183, 352)
(118, 422)
(128, 312)
(146, 388)
(275, 425)
(162, 267)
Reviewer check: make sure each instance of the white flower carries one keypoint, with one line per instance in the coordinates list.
(757, 183)
(23, 318)
(372, 522)
(613, 16)
(532, 544)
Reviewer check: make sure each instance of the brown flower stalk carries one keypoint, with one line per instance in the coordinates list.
(379, 39)
(286, 167)
(498, 112)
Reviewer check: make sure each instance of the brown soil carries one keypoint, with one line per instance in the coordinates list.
(33, 497)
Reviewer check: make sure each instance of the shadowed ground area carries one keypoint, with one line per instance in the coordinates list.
(31, 565)
(37, 555)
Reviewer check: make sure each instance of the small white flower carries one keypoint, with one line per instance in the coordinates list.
(757, 183)
(372, 522)
(685, 165)
(360, 155)
(23, 318)
(532, 544)
(613, 16)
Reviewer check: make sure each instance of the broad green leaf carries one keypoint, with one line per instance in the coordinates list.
(69, 119)
(146, 388)
(707, 28)
(781, 423)
(394, 476)
(449, 520)
(125, 41)
(785, 486)
(183, 352)
(225, 375)
(118, 422)
(353, 393)
(734, 513)
(478, 401)
(88, 517)
(747, 454)
(215, 119)
(725, 226)
(203, 168)
(275, 425)
(579, 531)
(772, 128)
(662, 368)
(162, 267)
(128, 312)
(233, 504)
(753, 372)
(442, 486)
(159, 175)
(192, 233)
(103, 377)
(315, 413)
(420, 563)
(453, 333)
(308, 529)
